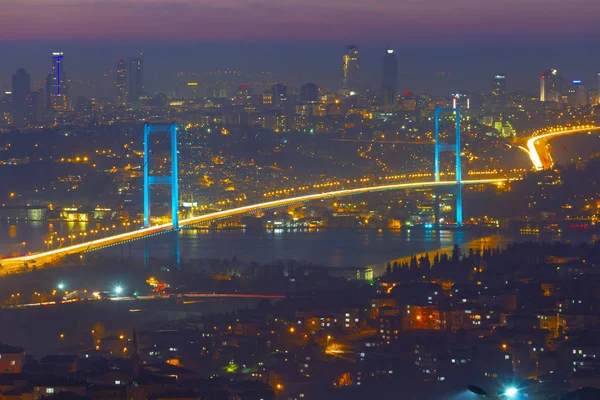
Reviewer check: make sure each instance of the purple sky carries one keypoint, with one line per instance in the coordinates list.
(404, 21)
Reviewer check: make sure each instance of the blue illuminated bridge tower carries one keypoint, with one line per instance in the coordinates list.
(172, 180)
(439, 147)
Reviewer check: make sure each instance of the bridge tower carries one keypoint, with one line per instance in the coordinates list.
(172, 180)
(448, 147)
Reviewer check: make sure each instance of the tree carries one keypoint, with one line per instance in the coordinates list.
(444, 259)
(456, 254)
(424, 263)
(413, 263)
(388, 270)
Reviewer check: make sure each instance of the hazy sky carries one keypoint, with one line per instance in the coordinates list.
(409, 21)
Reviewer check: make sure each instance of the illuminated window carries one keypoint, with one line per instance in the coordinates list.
(49, 390)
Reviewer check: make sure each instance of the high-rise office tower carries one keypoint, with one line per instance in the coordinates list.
(121, 83)
(579, 97)
(59, 84)
(498, 92)
(351, 71)
(35, 106)
(48, 94)
(551, 86)
(136, 79)
(279, 95)
(21, 86)
(389, 79)
(309, 93)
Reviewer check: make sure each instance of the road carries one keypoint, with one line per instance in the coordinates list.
(532, 149)
(45, 257)
(382, 141)
(179, 296)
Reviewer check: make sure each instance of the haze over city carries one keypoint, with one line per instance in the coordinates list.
(299, 200)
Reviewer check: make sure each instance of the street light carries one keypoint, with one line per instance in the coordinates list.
(118, 290)
(511, 392)
(60, 286)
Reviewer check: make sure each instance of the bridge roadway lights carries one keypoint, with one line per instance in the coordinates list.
(166, 228)
(456, 149)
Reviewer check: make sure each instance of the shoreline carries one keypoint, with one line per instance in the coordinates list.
(481, 243)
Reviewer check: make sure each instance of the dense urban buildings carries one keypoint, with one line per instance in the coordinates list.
(305, 236)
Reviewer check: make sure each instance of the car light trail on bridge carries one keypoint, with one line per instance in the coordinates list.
(532, 150)
(101, 243)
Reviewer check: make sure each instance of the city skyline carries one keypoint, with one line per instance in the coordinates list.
(471, 68)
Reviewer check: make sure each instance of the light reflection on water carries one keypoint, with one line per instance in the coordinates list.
(331, 247)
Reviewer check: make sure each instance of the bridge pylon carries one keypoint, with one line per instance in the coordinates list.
(172, 180)
(448, 147)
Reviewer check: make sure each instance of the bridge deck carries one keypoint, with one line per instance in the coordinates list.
(101, 243)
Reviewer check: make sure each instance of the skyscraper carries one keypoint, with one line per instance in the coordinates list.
(579, 93)
(498, 92)
(350, 71)
(35, 106)
(309, 93)
(389, 79)
(279, 95)
(59, 93)
(136, 79)
(48, 94)
(21, 86)
(551, 86)
(121, 83)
